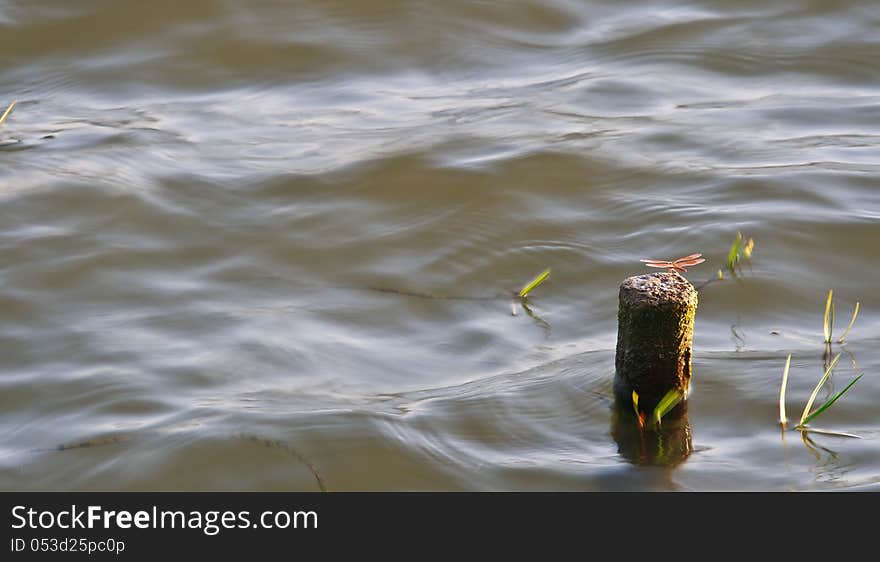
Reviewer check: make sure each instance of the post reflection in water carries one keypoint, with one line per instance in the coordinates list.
(667, 444)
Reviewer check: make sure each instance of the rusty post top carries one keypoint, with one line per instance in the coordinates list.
(657, 289)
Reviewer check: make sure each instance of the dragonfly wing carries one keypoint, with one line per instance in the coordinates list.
(689, 263)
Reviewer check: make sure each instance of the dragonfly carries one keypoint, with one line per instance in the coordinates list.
(676, 265)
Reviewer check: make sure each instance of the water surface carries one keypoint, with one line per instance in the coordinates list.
(245, 242)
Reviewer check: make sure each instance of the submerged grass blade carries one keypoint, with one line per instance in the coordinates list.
(827, 432)
(828, 318)
(816, 390)
(828, 404)
(782, 418)
(668, 402)
(851, 322)
(523, 293)
(7, 112)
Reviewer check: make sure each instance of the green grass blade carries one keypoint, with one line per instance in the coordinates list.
(7, 112)
(668, 402)
(831, 323)
(534, 283)
(748, 249)
(782, 418)
(734, 252)
(828, 404)
(827, 324)
(851, 322)
(816, 390)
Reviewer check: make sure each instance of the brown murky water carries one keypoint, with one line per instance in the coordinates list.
(225, 226)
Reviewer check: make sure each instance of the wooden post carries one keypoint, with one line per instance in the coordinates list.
(655, 325)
